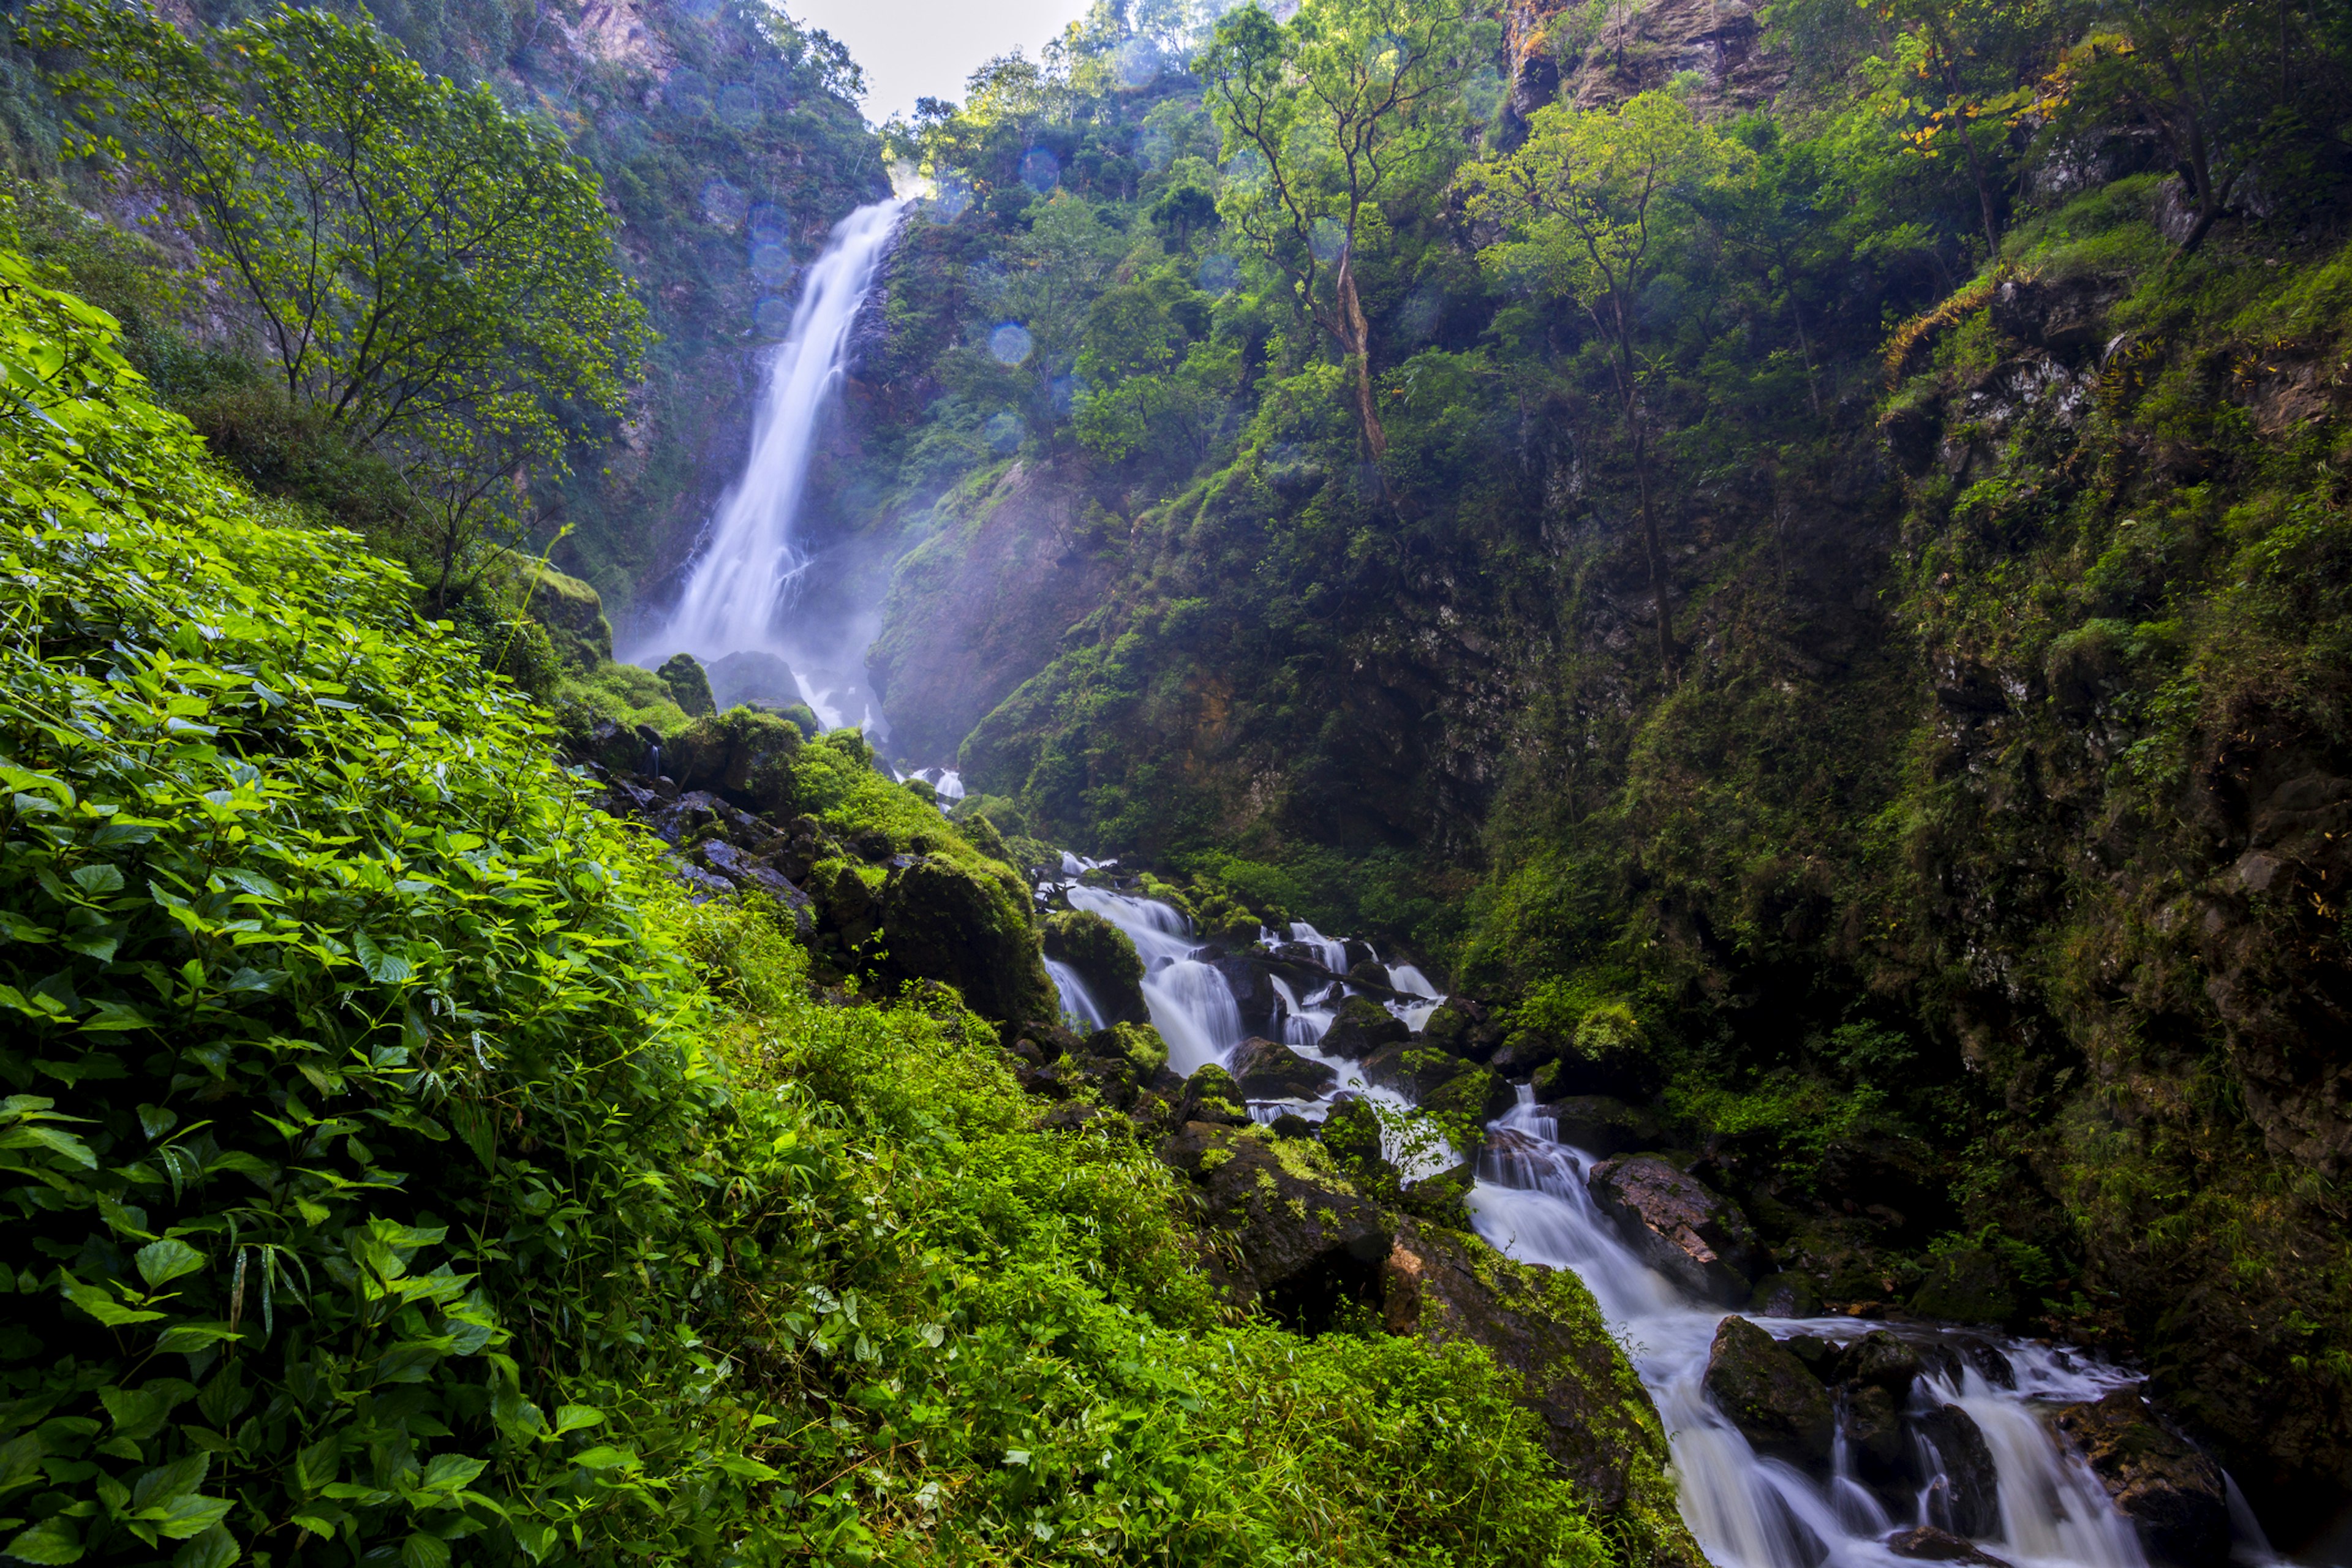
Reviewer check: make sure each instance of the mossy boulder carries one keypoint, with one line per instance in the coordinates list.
(1295, 1237)
(1460, 1027)
(1359, 1027)
(1786, 1295)
(1105, 959)
(1210, 1095)
(744, 754)
(1352, 1133)
(1138, 1044)
(1966, 1285)
(1766, 1392)
(979, 832)
(571, 611)
(1266, 1070)
(944, 921)
(689, 686)
(1603, 1125)
(1543, 1326)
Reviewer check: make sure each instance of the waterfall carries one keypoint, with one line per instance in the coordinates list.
(1332, 955)
(743, 577)
(1078, 1005)
(1748, 1511)
(1191, 1005)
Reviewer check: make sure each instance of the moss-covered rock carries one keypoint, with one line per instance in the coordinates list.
(944, 921)
(1138, 1045)
(1210, 1095)
(1599, 1425)
(1297, 1237)
(1105, 959)
(1770, 1395)
(745, 754)
(1360, 1026)
(681, 674)
(1268, 1071)
(1352, 1133)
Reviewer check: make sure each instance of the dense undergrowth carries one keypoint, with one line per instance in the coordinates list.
(397, 1165)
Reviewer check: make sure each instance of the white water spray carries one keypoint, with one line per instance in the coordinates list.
(739, 590)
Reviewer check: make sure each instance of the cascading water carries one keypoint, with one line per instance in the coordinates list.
(1746, 1511)
(742, 581)
(1079, 1004)
(1530, 1200)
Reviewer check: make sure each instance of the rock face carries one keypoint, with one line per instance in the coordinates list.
(946, 923)
(1268, 1071)
(1598, 1424)
(981, 605)
(1304, 1244)
(2172, 1493)
(1966, 1499)
(1699, 1238)
(1968, 1285)
(1600, 1125)
(1770, 1395)
(1105, 959)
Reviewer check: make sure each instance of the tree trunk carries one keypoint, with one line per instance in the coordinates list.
(1653, 549)
(1358, 344)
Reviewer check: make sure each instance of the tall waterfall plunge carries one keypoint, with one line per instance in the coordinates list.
(742, 586)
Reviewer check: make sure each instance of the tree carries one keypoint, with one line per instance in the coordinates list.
(1337, 108)
(1961, 72)
(434, 272)
(1589, 205)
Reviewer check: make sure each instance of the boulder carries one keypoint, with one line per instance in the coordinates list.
(1360, 1027)
(1600, 1125)
(1468, 1095)
(1460, 1027)
(1269, 1071)
(1880, 1360)
(1542, 1325)
(1298, 1241)
(946, 922)
(2173, 1493)
(1211, 1095)
(745, 756)
(749, 875)
(1767, 1393)
(688, 687)
(1253, 992)
(1965, 1497)
(1697, 1237)
(1105, 959)
(1967, 1285)
(1878, 1445)
(1785, 1295)
(1138, 1044)
(1929, 1544)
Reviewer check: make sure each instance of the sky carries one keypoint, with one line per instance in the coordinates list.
(925, 48)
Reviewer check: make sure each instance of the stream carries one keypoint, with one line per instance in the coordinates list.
(2043, 1508)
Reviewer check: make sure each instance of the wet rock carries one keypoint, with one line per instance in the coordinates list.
(1990, 1361)
(1542, 1325)
(1877, 1444)
(1602, 1125)
(2173, 1494)
(1965, 1498)
(1362, 1027)
(1302, 1242)
(1468, 1095)
(1253, 992)
(948, 922)
(1768, 1394)
(1880, 1360)
(1820, 1355)
(1967, 1285)
(1269, 1071)
(747, 874)
(1138, 1044)
(1290, 1124)
(700, 883)
(847, 905)
(1105, 959)
(1929, 1544)
(1367, 973)
(1211, 1095)
(1697, 1237)
(1460, 1027)
(1785, 1295)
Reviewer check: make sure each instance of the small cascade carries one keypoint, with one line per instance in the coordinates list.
(1331, 953)
(1078, 1005)
(1191, 1005)
(1748, 1511)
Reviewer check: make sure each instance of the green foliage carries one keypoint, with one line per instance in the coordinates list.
(432, 272)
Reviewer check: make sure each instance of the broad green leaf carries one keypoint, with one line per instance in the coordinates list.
(423, 1550)
(604, 1457)
(185, 1517)
(185, 1339)
(93, 1300)
(451, 1472)
(161, 1262)
(53, 1541)
(574, 1419)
